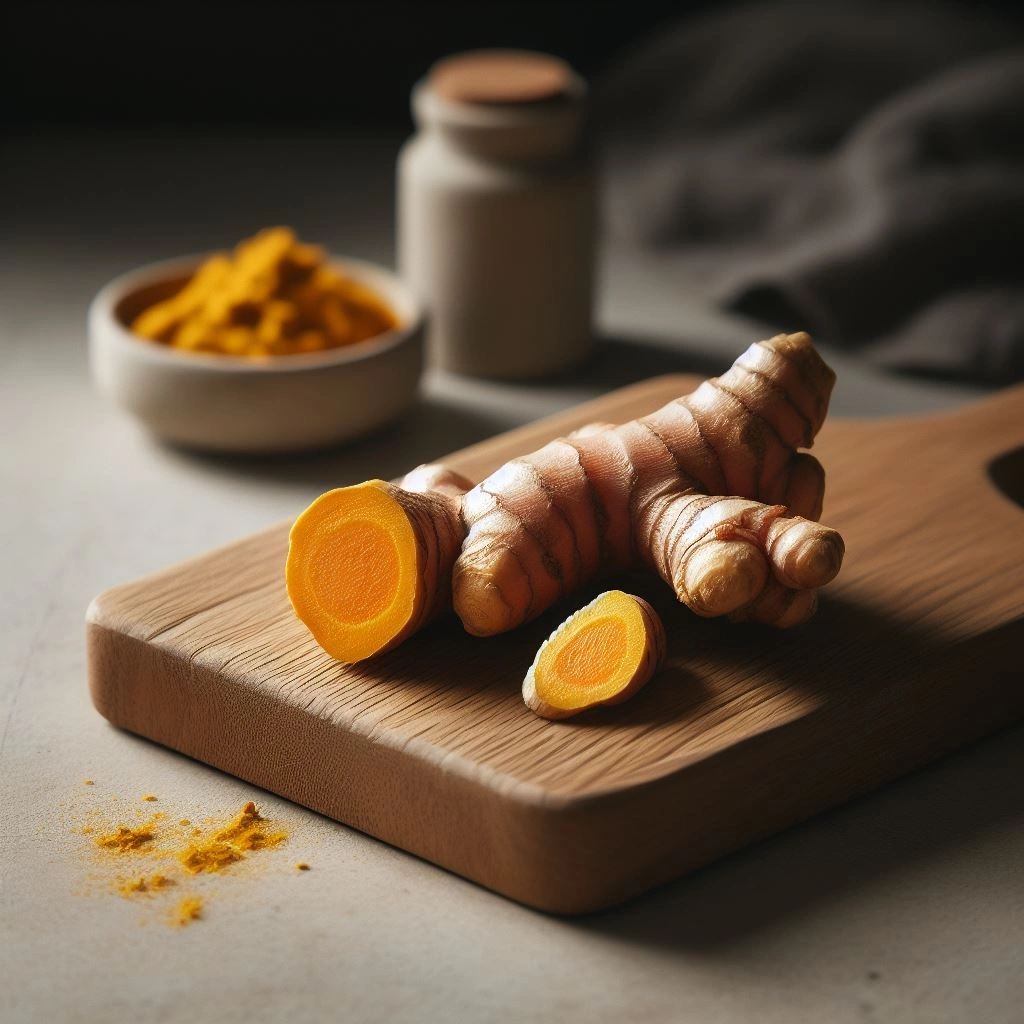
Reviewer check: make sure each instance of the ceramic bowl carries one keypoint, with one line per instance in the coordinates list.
(233, 404)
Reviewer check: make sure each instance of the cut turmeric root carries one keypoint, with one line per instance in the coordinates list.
(369, 565)
(601, 654)
(711, 492)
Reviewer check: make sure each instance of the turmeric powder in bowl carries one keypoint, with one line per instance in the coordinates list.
(273, 296)
(230, 367)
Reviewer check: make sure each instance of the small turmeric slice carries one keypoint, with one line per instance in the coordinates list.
(601, 654)
(368, 565)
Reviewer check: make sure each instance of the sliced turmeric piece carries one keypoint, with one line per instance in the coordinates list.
(368, 565)
(601, 654)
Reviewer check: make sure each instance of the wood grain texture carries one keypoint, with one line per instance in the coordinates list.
(916, 649)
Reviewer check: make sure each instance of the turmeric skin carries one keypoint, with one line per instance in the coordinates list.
(659, 491)
(710, 492)
(273, 296)
(601, 654)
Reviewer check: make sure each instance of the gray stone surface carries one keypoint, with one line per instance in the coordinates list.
(907, 905)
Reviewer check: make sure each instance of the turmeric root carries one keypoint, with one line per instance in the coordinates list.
(601, 654)
(710, 491)
(369, 565)
(650, 491)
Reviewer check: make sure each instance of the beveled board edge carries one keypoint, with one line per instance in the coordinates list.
(567, 856)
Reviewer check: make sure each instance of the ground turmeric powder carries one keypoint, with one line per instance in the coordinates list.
(127, 840)
(245, 833)
(176, 841)
(273, 296)
(145, 886)
(189, 909)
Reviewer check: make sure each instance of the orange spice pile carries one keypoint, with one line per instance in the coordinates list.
(272, 296)
(124, 839)
(247, 832)
(142, 884)
(193, 851)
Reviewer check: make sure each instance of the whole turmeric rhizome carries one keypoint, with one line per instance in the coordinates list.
(712, 493)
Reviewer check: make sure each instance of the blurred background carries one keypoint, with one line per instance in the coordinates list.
(854, 169)
(325, 66)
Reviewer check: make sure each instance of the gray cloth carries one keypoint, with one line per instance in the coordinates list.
(854, 171)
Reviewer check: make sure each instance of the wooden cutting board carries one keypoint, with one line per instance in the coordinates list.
(917, 648)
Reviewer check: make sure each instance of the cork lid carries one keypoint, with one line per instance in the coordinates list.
(500, 76)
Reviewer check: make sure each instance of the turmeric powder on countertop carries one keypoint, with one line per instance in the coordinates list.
(126, 840)
(189, 909)
(245, 833)
(145, 886)
(197, 852)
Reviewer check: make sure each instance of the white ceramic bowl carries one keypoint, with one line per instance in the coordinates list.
(233, 404)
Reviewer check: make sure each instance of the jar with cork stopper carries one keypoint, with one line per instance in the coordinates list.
(497, 214)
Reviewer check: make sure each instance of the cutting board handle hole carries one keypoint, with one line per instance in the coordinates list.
(1007, 473)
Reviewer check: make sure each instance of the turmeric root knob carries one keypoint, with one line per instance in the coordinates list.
(721, 554)
(368, 565)
(653, 490)
(601, 654)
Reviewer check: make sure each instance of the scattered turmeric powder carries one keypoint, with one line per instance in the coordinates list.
(273, 296)
(225, 846)
(127, 840)
(189, 909)
(175, 841)
(143, 885)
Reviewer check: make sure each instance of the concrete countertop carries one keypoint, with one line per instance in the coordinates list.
(907, 905)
